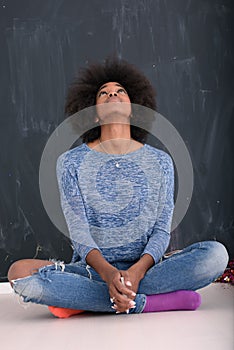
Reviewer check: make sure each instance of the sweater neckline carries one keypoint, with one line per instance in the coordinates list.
(139, 150)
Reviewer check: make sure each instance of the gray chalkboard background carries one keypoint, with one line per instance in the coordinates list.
(183, 46)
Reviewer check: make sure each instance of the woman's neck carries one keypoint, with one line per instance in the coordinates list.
(115, 139)
(115, 132)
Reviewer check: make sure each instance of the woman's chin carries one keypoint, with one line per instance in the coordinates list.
(115, 111)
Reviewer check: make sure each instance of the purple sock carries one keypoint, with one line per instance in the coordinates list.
(179, 300)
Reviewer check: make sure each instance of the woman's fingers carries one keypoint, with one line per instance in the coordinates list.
(120, 308)
(121, 296)
(120, 290)
(118, 296)
(126, 281)
(124, 289)
(123, 306)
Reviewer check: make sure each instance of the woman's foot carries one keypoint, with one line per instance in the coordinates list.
(179, 300)
(61, 312)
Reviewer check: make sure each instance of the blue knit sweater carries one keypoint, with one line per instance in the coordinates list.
(120, 205)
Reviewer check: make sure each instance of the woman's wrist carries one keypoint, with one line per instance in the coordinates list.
(100, 265)
(107, 273)
(138, 271)
(142, 266)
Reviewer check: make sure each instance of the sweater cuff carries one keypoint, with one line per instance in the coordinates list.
(82, 251)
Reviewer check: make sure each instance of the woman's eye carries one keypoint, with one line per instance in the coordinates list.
(102, 93)
(121, 91)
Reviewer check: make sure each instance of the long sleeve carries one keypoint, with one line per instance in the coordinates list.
(123, 211)
(73, 208)
(160, 237)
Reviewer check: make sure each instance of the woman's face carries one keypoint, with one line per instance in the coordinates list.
(112, 99)
(112, 92)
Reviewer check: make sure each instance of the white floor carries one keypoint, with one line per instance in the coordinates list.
(211, 327)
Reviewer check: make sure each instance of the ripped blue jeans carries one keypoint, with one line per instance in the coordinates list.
(78, 286)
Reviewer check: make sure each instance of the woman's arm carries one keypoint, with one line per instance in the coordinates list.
(73, 207)
(137, 271)
(160, 237)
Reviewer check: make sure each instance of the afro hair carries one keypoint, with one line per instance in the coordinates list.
(82, 92)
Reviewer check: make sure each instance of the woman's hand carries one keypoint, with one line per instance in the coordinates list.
(131, 279)
(136, 272)
(121, 295)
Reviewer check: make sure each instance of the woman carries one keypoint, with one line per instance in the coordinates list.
(117, 197)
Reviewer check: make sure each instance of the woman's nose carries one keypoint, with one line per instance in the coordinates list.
(112, 93)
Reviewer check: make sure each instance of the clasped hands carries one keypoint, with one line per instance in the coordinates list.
(123, 286)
